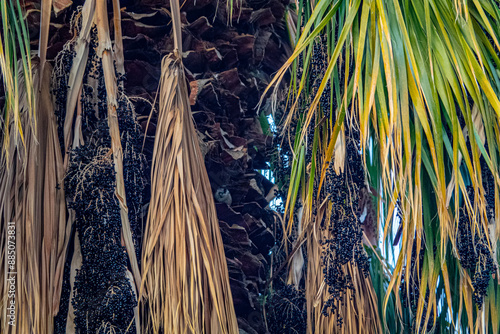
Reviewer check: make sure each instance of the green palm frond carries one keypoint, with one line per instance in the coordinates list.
(420, 82)
(15, 60)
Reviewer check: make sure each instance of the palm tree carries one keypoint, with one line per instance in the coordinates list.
(236, 79)
(387, 122)
(411, 89)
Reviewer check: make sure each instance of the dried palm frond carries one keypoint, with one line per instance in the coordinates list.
(55, 227)
(185, 276)
(32, 200)
(35, 204)
(21, 242)
(55, 232)
(44, 37)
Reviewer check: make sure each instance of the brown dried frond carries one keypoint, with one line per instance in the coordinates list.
(185, 276)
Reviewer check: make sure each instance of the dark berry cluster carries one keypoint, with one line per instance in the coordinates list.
(319, 65)
(482, 274)
(133, 168)
(475, 255)
(92, 75)
(317, 69)
(465, 242)
(90, 185)
(286, 311)
(59, 87)
(103, 297)
(489, 189)
(345, 229)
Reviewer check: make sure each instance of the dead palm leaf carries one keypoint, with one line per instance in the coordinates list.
(21, 204)
(185, 276)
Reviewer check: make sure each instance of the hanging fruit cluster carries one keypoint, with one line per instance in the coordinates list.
(345, 228)
(286, 311)
(474, 251)
(103, 297)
